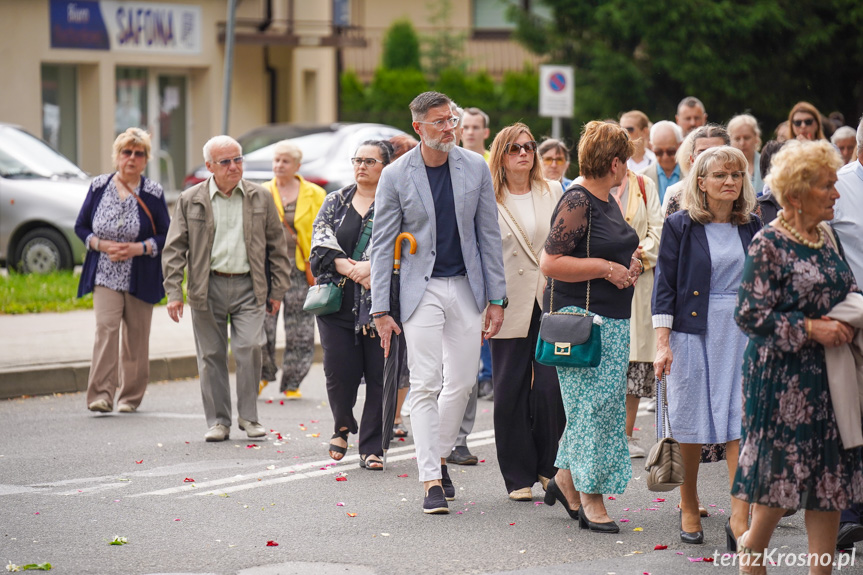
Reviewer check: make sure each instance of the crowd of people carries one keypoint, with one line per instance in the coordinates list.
(703, 258)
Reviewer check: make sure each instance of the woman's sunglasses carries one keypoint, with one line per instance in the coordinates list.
(515, 149)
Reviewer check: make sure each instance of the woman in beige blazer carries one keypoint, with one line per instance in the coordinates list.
(639, 202)
(528, 410)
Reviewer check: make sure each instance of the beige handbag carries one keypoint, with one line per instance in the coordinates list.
(664, 464)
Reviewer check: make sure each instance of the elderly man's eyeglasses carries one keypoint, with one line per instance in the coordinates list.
(806, 122)
(722, 176)
(554, 161)
(129, 153)
(227, 162)
(369, 162)
(441, 124)
(660, 152)
(514, 149)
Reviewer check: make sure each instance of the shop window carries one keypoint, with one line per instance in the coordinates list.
(131, 105)
(490, 16)
(60, 108)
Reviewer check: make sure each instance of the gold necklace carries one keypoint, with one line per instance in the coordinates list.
(814, 245)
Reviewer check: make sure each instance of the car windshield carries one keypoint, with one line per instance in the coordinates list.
(23, 155)
(313, 146)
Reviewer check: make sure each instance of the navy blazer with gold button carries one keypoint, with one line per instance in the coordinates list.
(682, 282)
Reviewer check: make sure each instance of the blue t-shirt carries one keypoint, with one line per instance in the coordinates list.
(449, 260)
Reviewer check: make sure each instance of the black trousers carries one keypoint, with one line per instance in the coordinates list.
(347, 359)
(528, 411)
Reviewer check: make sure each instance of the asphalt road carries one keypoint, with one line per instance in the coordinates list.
(70, 481)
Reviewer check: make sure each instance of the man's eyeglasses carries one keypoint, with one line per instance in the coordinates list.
(129, 153)
(369, 162)
(722, 176)
(441, 124)
(227, 162)
(554, 161)
(662, 152)
(514, 149)
(806, 122)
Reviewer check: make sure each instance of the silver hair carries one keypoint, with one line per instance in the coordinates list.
(691, 102)
(678, 132)
(842, 133)
(425, 102)
(217, 142)
(860, 136)
(458, 111)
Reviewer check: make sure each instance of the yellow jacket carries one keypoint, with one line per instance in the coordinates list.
(309, 201)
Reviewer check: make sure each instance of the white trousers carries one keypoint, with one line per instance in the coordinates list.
(443, 343)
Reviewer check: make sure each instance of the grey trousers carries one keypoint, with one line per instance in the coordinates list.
(229, 298)
(469, 417)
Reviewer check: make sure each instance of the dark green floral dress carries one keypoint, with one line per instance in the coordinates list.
(791, 455)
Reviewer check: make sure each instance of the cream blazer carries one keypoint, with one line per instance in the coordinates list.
(647, 221)
(524, 281)
(845, 373)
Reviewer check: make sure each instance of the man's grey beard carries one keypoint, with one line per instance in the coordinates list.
(440, 146)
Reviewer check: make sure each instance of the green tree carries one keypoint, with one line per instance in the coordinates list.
(735, 55)
(401, 47)
(352, 97)
(443, 49)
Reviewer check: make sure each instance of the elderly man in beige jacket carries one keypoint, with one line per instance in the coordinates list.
(225, 231)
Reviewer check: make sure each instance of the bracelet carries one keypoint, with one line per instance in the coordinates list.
(808, 328)
(98, 241)
(144, 245)
(376, 315)
(610, 270)
(641, 263)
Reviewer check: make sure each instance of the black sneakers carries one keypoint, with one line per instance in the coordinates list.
(462, 456)
(435, 502)
(446, 482)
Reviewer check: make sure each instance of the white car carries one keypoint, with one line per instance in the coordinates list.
(41, 193)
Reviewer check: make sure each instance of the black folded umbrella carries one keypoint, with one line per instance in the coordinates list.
(395, 363)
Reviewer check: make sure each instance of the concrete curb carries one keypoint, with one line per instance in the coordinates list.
(72, 377)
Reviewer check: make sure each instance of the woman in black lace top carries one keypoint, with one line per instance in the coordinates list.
(593, 457)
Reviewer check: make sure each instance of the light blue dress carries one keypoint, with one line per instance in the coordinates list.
(705, 383)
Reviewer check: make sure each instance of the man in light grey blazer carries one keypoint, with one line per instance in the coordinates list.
(443, 195)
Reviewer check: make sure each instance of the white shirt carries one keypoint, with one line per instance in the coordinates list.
(848, 216)
(523, 206)
(649, 158)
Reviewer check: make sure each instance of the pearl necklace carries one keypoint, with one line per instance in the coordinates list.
(793, 231)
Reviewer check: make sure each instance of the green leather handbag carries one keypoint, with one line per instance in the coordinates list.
(324, 299)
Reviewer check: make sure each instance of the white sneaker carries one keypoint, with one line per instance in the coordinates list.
(218, 432)
(101, 406)
(650, 405)
(635, 450)
(252, 428)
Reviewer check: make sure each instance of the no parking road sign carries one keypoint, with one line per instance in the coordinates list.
(556, 91)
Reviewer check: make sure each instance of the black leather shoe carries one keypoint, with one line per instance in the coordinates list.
(585, 523)
(446, 483)
(553, 493)
(435, 502)
(693, 538)
(461, 456)
(849, 534)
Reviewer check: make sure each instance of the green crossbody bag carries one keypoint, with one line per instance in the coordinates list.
(324, 299)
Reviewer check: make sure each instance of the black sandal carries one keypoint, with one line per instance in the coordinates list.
(366, 462)
(399, 430)
(333, 448)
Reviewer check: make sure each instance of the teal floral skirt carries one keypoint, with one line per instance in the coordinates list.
(593, 446)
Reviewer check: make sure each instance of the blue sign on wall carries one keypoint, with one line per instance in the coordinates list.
(78, 25)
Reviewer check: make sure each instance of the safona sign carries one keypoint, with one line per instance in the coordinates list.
(126, 26)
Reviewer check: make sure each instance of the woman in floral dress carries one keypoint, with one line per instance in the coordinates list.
(791, 454)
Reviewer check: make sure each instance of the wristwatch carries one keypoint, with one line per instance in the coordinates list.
(501, 302)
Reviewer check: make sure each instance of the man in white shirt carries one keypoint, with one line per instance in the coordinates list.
(637, 124)
(848, 224)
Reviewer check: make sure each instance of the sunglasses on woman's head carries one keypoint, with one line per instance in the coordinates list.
(513, 148)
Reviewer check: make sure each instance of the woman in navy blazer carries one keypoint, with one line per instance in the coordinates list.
(699, 347)
(123, 223)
